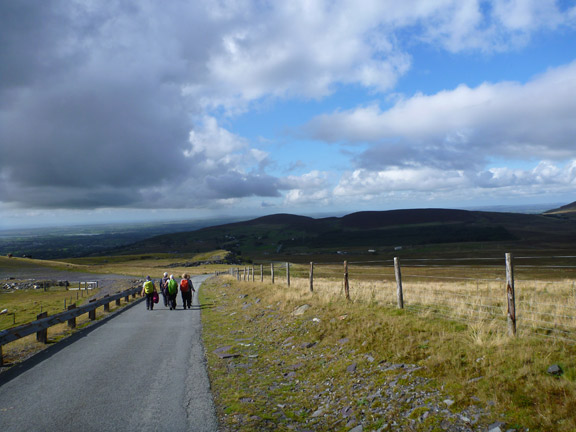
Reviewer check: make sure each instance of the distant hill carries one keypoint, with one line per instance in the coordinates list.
(374, 231)
(568, 208)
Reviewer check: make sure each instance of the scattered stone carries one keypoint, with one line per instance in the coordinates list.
(343, 341)
(351, 423)
(296, 366)
(223, 353)
(301, 310)
(555, 370)
(222, 349)
(346, 412)
(445, 424)
(358, 428)
(392, 367)
(317, 320)
(4, 311)
(319, 412)
(351, 368)
(225, 356)
(242, 296)
(449, 402)
(308, 344)
(495, 427)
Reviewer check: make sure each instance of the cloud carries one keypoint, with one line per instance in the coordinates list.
(311, 188)
(464, 127)
(429, 184)
(122, 104)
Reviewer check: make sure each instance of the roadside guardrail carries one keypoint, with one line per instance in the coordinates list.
(44, 322)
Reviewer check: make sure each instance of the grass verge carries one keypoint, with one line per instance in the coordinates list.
(342, 364)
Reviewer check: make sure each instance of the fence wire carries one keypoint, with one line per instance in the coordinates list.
(453, 288)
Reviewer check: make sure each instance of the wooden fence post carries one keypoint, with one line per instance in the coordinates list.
(311, 276)
(398, 274)
(252, 272)
(92, 313)
(288, 273)
(107, 305)
(117, 302)
(42, 335)
(511, 295)
(72, 321)
(346, 285)
(272, 271)
(261, 272)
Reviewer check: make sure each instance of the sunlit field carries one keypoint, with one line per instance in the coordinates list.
(545, 296)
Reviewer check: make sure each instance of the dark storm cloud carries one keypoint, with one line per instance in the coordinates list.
(78, 115)
(237, 185)
(92, 111)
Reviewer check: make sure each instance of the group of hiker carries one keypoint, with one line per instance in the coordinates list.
(169, 288)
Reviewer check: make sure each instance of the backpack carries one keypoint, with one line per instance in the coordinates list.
(148, 287)
(172, 286)
(184, 285)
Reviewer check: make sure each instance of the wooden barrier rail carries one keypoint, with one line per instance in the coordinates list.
(41, 325)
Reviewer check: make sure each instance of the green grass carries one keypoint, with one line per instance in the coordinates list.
(24, 305)
(507, 376)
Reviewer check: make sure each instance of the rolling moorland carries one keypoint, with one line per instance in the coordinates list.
(405, 232)
(450, 374)
(417, 232)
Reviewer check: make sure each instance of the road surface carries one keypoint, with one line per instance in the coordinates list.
(138, 371)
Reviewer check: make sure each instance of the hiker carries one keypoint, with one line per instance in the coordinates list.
(164, 288)
(172, 288)
(148, 290)
(186, 288)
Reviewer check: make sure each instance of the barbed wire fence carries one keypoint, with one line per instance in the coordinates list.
(527, 294)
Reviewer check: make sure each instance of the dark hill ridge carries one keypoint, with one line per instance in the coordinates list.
(382, 219)
(281, 219)
(374, 230)
(568, 208)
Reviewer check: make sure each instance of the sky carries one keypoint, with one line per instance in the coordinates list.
(135, 110)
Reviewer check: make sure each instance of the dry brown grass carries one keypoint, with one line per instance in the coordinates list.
(470, 358)
(546, 306)
(456, 329)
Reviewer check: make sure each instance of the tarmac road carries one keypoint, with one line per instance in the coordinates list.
(138, 371)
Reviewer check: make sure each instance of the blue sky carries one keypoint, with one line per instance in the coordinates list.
(145, 110)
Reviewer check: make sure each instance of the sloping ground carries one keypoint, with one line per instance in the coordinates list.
(276, 368)
(292, 360)
(569, 209)
(285, 233)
